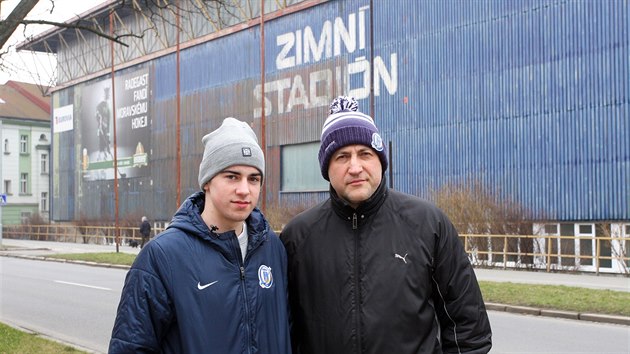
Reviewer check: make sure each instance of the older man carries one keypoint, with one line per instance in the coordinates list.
(373, 270)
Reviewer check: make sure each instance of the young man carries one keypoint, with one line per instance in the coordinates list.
(215, 280)
(373, 270)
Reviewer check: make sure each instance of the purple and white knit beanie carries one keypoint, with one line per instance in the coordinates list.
(347, 126)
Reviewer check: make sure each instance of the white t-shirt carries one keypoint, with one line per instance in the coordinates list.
(242, 241)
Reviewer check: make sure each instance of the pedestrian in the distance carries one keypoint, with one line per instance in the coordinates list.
(145, 231)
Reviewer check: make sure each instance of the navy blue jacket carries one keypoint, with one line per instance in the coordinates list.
(189, 291)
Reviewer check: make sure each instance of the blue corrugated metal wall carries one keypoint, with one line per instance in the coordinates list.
(542, 140)
(528, 97)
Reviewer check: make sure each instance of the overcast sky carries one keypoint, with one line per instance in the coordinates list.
(26, 66)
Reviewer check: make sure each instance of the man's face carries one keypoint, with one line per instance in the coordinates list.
(355, 173)
(231, 196)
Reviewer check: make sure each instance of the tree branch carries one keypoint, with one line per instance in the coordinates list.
(99, 33)
(10, 24)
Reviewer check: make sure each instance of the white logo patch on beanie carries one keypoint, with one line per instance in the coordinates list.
(247, 152)
(377, 142)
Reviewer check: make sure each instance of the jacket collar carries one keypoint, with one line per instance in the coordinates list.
(188, 218)
(367, 208)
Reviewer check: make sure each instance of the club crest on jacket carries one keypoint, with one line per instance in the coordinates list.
(265, 279)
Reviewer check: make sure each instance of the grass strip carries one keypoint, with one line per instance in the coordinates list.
(557, 297)
(18, 342)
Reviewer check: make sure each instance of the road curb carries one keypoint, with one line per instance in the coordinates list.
(560, 314)
(622, 320)
(592, 317)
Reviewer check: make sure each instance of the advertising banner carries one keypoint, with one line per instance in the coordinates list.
(132, 127)
(63, 119)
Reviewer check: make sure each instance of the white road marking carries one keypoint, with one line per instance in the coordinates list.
(83, 285)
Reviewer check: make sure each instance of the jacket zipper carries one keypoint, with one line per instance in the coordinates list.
(241, 264)
(249, 340)
(357, 286)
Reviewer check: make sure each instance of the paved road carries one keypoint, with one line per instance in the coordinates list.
(76, 304)
(24, 248)
(71, 303)
(521, 334)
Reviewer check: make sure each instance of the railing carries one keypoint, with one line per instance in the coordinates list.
(74, 233)
(550, 253)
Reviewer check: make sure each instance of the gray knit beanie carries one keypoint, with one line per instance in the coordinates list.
(233, 143)
(347, 126)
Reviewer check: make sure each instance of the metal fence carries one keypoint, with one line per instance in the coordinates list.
(551, 253)
(75, 233)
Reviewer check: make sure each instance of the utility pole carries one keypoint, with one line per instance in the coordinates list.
(1, 180)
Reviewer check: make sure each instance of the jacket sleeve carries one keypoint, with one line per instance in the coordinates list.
(464, 323)
(289, 238)
(144, 312)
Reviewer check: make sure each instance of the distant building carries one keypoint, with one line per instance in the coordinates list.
(24, 152)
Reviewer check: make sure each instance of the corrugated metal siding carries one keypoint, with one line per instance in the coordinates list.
(528, 97)
(295, 122)
(525, 96)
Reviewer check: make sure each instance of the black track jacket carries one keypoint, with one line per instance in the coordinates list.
(389, 277)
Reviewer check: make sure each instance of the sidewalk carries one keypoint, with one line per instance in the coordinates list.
(41, 249)
(616, 282)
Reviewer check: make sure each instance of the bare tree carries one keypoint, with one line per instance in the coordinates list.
(156, 15)
(475, 209)
(18, 15)
(15, 18)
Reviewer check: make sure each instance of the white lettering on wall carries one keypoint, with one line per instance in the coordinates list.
(317, 48)
(389, 79)
(315, 89)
